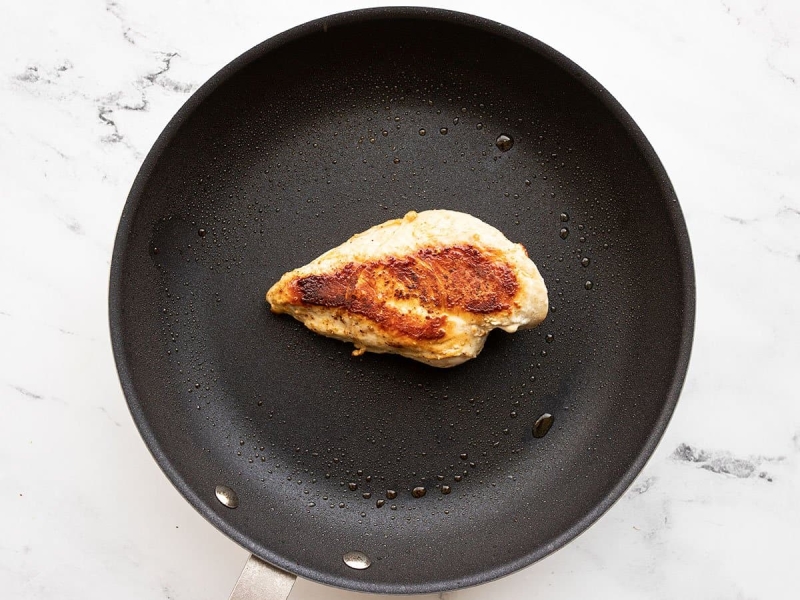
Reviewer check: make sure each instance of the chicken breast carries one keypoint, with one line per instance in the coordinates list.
(429, 286)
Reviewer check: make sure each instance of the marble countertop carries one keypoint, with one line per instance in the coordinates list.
(85, 88)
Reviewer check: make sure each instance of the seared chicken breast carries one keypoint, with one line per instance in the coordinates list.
(429, 286)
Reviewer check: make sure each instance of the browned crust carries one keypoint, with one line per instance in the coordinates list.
(459, 278)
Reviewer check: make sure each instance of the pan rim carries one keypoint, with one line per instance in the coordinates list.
(116, 300)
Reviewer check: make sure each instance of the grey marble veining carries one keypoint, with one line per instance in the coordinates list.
(86, 87)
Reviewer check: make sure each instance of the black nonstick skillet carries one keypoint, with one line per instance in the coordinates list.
(306, 455)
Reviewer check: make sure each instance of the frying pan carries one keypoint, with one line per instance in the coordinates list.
(286, 442)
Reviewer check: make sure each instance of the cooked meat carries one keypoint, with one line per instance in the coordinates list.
(429, 286)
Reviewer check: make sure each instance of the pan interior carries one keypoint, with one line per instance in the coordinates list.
(316, 139)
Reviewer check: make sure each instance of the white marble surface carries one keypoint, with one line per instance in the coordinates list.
(85, 88)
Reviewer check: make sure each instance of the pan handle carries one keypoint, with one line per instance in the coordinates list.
(262, 581)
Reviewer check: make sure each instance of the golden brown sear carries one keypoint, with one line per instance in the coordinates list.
(461, 278)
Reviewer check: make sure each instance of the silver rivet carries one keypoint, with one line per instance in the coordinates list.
(356, 560)
(227, 496)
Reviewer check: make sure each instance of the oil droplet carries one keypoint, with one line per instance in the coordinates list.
(479, 126)
(422, 132)
(366, 495)
(341, 504)
(353, 486)
(458, 478)
(380, 503)
(585, 262)
(564, 233)
(201, 232)
(588, 285)
(443, 131)
(564, 217)
(455, 121)
(549, 338)
(504, 142)
(542, 425)
(384, 133)
(513, 414)
(527, 182)
(463, 456)
(391, 494)
(418, 492)
(396, 160)
(445, 489)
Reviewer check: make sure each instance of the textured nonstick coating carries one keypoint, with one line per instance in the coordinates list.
(316, 135)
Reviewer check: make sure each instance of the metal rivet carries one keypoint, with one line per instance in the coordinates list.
(227, 496)
(356, 560)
